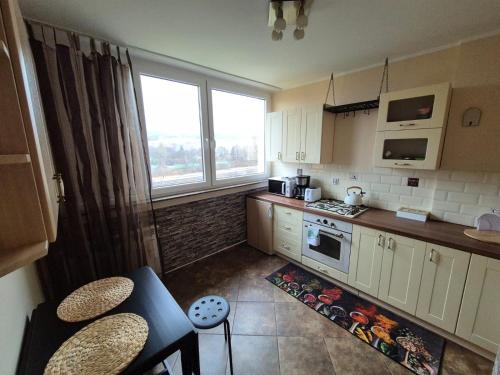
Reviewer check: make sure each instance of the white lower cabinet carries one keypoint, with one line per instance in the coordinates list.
(401, 271)
(447, 288)
(365, 262)
(442, 286)
(479, 319)
(287, 232)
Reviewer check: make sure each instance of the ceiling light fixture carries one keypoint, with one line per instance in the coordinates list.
(288, 12)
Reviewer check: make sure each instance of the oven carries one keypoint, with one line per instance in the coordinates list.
(327, 241)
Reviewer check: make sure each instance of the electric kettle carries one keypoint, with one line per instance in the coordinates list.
(354, 198)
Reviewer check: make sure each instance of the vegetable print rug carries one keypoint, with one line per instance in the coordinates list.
(414, 347)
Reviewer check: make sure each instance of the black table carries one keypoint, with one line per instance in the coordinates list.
(169, 329)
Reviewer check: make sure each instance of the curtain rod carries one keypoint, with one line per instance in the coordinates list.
(145, 51)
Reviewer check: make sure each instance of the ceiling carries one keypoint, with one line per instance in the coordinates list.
(233, 36)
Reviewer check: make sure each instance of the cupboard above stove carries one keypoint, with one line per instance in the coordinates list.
(411, 127)
(417, 108)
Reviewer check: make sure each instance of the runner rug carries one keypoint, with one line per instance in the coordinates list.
(405, 342)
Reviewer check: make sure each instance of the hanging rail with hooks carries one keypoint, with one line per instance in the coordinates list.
(365, 106)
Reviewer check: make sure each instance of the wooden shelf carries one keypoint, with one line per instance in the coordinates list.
(12, 259)
(15, 159)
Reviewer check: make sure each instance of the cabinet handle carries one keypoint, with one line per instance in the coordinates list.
(410, 124)
(288, 213)
(403, 164)
(433, 256)
(323, 270)
(285, 246)
(381, 240)
(61, 198)
(270, 212)
(297, 156)
(390, 245)
(4, 51)
(303, 156)
(279, 155)
(288, 228)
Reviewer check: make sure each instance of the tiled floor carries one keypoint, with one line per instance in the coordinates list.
(273, 333)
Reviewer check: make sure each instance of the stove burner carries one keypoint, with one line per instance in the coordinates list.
(337, 207)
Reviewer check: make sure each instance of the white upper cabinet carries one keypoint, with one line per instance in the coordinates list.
(417, 108)
(274, 132)
(413, 149)
(479, 319)
(291, 135)
(443, 280)
(308, 135)
(402, 265)
(411, 127)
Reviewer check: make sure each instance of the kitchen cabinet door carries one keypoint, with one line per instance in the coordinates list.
(417, 108)
(260, 225)
(443, 280)
(479, 319)
(275, 136)
(365, 263)
(310, 134)
(401, 272)
(291, 135)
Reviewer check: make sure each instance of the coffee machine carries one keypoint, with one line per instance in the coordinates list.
(301, 184)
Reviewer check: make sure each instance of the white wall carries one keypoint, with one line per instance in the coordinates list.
(20, 293)
(456, 197)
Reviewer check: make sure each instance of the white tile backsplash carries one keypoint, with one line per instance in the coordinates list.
(457, 197)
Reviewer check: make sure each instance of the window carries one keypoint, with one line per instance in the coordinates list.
(238, 123)
(173, 120)
(201, 133)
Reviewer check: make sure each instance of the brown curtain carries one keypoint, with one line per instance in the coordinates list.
(106, 225)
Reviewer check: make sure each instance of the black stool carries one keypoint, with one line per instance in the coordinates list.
(209, 312)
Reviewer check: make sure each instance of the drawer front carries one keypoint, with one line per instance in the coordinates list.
(287, 246)
(328, 271)
(289, 236)
(288, 229)
(288, 215)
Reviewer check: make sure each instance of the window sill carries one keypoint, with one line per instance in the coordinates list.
(174, 200)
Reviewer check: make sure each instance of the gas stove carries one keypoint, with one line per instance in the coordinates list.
(337, 207)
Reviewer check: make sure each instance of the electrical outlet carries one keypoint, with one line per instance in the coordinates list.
(413, 181)
(354, 177)
(335, 180)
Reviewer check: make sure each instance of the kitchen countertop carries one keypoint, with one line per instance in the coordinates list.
(438, 232)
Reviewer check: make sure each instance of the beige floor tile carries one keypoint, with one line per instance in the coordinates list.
(213, 354)
(304, 355)
(460, 361)
(296, 319)
(255, 355)
(254, 318)
(256, 290)
(282, 296)
(350, 356)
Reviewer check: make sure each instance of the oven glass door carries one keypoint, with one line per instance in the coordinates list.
(333, 250)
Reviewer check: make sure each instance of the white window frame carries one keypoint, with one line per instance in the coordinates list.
(206, 84)
(234, 88)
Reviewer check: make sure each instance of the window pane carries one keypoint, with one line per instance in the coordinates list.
(239, 134)
(173, 124)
